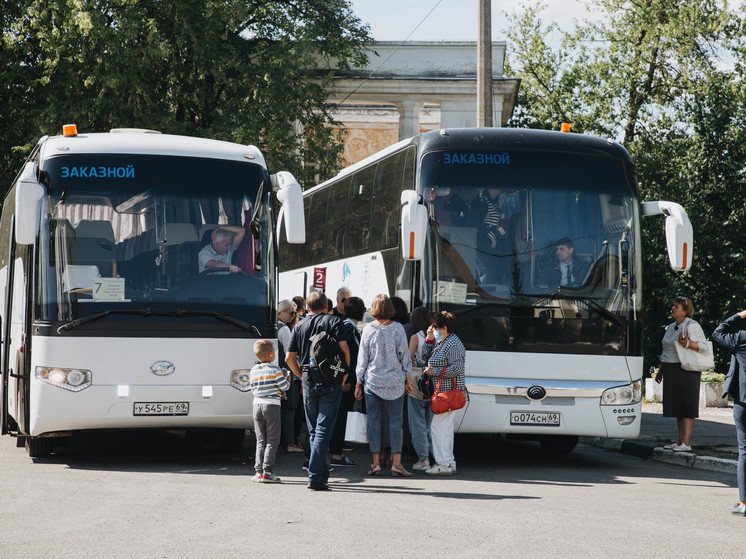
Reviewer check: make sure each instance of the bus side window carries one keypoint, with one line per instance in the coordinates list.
(360, 203)
(316, 226)
(386, 205)
(336, 226)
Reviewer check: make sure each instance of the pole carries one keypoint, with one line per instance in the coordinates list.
(484, 65)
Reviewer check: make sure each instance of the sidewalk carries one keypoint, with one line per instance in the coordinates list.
(714, 445)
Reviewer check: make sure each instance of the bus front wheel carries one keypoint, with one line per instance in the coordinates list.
(559, 443)
(39, 447)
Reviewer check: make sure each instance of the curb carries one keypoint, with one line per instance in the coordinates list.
(657, 453)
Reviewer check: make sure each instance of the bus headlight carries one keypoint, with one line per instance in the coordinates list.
(623, 395)
(240, 379)
(74, 380)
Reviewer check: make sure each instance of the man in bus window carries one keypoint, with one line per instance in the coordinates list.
(219, 253)
(565, 269)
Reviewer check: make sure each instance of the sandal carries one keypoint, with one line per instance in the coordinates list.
(398, 470)
(375, 470)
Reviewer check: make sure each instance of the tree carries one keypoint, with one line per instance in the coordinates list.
(665, 79)
(243, 71)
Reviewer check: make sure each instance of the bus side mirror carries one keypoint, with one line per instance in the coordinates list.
(679, 233)
(290, 195)
(28, 195)
(413, 226)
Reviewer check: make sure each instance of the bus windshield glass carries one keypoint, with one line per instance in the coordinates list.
(534, 250)
(132, 234)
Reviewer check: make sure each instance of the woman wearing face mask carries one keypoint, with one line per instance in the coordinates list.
(443, 349)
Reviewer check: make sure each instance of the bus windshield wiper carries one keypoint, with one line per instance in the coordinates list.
(220, 316)
(90, 318)
(603, 311)
(148, 312)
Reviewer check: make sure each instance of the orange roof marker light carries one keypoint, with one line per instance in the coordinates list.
(69, 130)
(565, 127)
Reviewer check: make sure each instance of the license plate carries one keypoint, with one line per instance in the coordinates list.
(534, 418)
(161, 408)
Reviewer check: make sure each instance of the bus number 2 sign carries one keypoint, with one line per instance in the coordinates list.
(319, 278)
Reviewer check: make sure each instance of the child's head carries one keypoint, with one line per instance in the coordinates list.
(264, 350)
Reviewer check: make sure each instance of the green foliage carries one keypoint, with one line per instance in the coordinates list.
(664, 78)
(711, 376)
(242, 71)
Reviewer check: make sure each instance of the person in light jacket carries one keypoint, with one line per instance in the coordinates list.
(681, 387)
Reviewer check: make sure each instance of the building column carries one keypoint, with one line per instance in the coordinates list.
(409, 117)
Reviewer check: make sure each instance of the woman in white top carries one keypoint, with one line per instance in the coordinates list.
(681, 387)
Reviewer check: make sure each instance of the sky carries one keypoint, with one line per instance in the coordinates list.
(454, 20)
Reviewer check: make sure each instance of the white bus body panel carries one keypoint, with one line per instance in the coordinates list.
(118, 361)
(364, 276)
(494, 381)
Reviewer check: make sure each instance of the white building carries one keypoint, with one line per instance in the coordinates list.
(414, 87)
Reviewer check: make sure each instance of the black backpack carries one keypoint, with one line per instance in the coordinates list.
(328, 356)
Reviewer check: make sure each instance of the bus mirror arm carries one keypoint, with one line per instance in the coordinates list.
(679, 233)
(413, 225)
(28, 196)
(290, 195)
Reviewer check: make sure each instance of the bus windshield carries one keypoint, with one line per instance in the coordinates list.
(533, 251)
(129, 234)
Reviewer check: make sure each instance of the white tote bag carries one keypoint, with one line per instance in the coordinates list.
(357, 427)
(693, 360)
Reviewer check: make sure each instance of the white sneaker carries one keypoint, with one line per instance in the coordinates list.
(421, 465)
(669, 446)
(682, 448)
(257, 477)
(440, 470)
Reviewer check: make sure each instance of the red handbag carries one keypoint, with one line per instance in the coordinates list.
(450, 400)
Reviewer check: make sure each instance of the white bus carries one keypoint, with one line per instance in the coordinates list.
(546, 359)
(107, 320)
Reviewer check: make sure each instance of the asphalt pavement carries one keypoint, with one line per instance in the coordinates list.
(714, 445)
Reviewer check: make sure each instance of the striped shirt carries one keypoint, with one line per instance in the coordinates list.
(267, 383)
(451, 354)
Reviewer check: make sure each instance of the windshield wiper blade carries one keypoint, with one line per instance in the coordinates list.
(148, 312)
(221, 316)
(603, 311)
(90, 318)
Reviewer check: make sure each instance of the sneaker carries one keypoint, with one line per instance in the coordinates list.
(421, 465)
(440, 470)
(319, 486)
(682, 448)
(257, 477)
(270, 478)
(294, 447)
(344, 461)
(739, 509)
(669, 446)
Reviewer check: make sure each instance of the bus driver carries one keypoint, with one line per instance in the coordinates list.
(219, 253)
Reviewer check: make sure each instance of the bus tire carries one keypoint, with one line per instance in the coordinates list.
(559, 443)
(39, 447)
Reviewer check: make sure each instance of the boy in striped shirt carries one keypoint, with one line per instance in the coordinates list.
(268, 383)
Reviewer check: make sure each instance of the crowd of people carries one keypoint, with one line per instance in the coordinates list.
(386, 359)
(385, 356)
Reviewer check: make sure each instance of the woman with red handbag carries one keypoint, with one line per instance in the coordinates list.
(445, 356)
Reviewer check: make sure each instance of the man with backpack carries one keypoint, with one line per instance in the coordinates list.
(318, 354)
